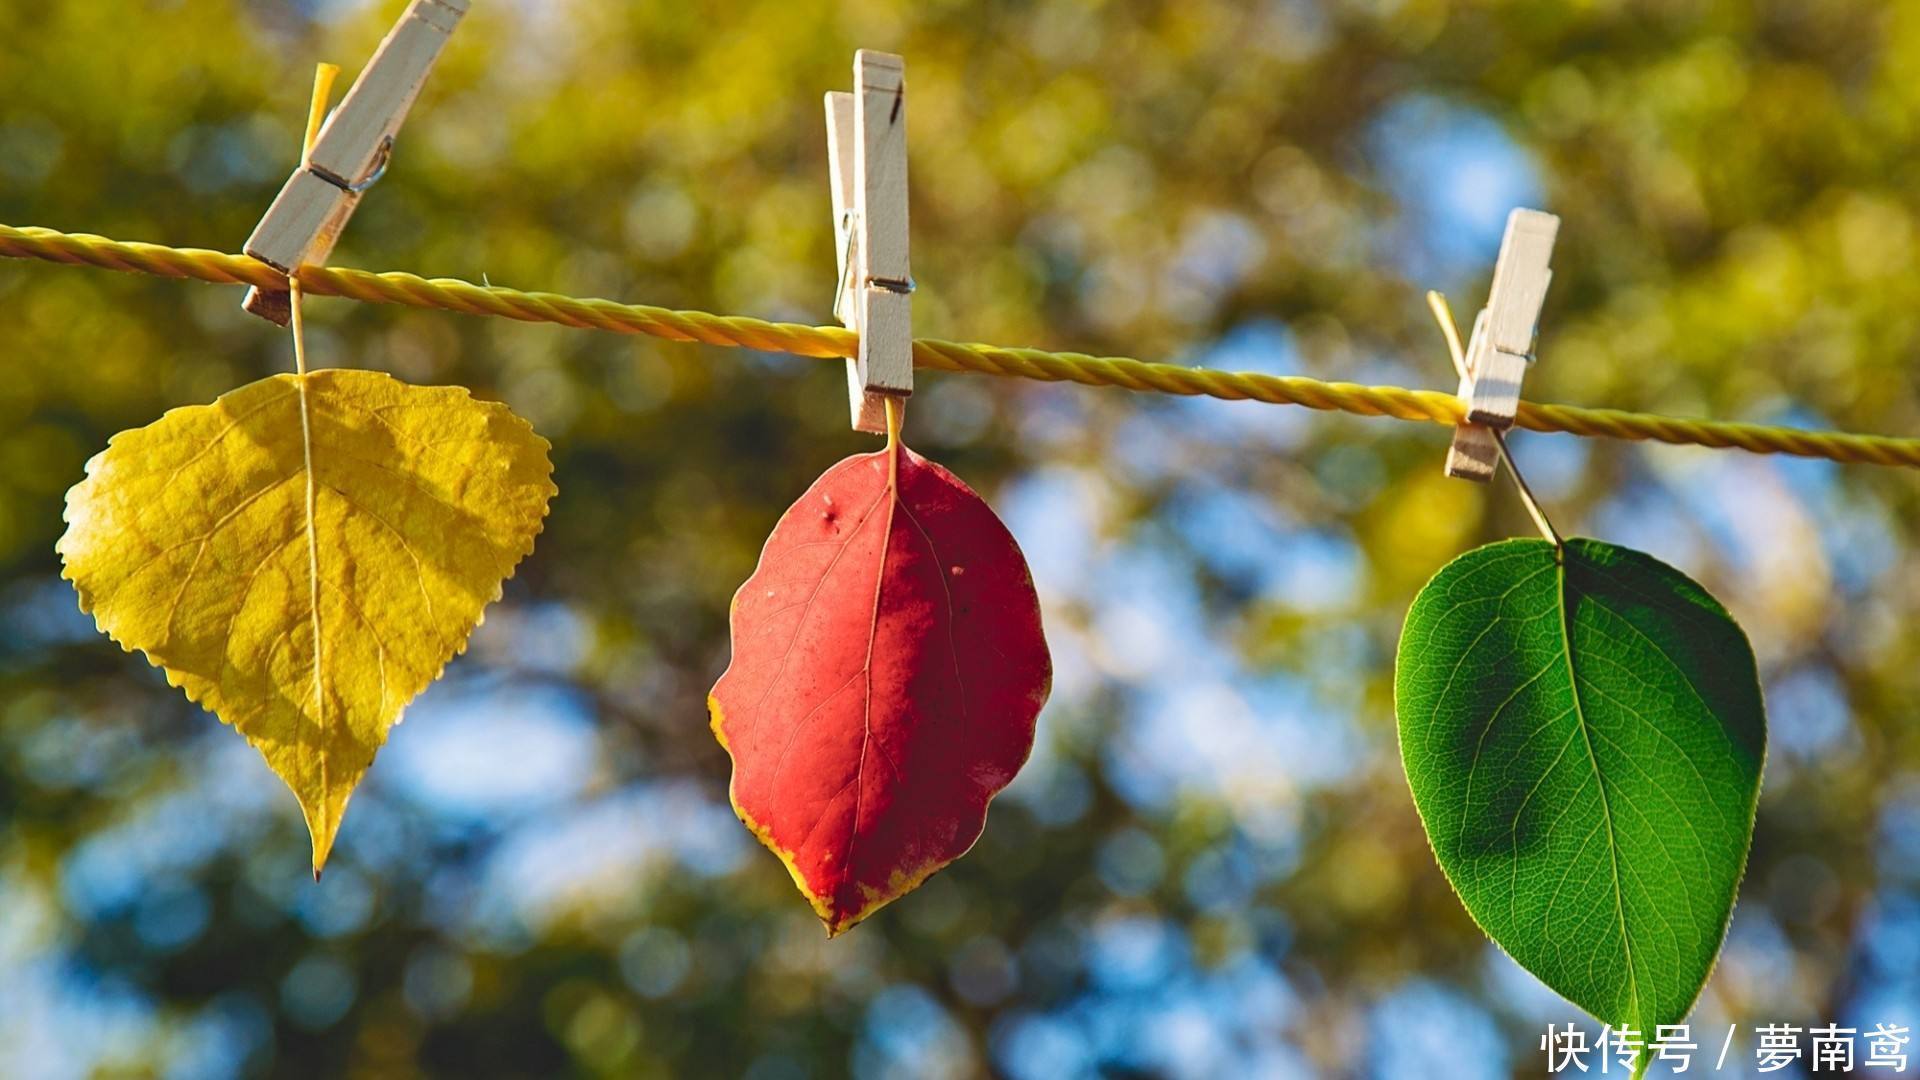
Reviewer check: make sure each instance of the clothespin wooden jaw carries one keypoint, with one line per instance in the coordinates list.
(1501, 347)
(867, 156)
(351, 153)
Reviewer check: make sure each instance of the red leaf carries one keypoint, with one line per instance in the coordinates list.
(888, 666)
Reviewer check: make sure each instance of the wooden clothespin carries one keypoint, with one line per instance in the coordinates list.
(351, 153)
(1502, 343)
(867, 155)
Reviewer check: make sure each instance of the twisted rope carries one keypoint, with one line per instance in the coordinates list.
(449, 294)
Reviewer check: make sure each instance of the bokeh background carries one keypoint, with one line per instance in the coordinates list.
(1211, 866)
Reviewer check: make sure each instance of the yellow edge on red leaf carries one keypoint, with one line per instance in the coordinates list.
(818, 902)
(899, 884)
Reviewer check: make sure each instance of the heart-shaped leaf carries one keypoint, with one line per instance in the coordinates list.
(888, 666)
(305, 554)
(1584, 734)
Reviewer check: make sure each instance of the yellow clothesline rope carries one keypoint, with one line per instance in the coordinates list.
(829, 341)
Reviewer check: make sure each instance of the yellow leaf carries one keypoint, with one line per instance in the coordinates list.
(304, 555)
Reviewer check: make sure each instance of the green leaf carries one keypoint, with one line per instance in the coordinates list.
(1584, 736)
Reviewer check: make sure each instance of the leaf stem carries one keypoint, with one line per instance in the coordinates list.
(299, 332)
(1443, 314)
(1526, 494)
(323, 76)
(896, 409)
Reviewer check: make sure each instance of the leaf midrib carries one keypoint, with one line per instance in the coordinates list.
(786, 748)
(1600, 781)
(892, 498)
(313, 592)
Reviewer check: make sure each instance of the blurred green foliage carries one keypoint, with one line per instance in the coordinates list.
(1268, 184)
